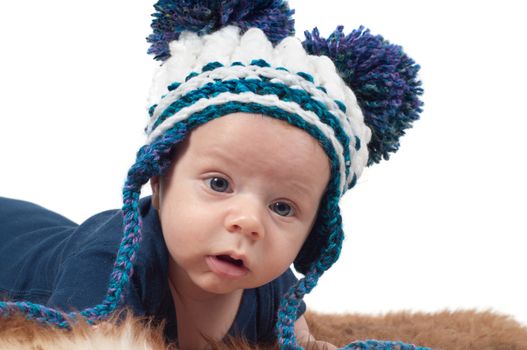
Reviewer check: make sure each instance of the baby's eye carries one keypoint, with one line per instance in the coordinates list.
(218, 184)
(282, 209)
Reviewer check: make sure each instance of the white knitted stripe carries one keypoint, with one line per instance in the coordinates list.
(265, 100)
(293, 81)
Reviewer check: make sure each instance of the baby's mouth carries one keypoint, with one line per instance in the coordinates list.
(226, 266)
(230, 260)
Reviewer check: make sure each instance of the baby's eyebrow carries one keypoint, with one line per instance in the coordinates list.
(215, 153)
(300, 188)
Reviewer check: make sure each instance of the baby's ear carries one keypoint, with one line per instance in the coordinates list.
(154, 183)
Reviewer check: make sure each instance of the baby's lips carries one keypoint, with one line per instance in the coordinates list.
(225, 268)
(236, 256)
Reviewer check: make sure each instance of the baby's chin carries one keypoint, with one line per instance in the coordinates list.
(214, 284)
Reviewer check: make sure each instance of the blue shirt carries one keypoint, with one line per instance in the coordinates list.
(47, 259)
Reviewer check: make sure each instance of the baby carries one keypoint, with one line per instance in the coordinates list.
(234, 218)
(253, 138)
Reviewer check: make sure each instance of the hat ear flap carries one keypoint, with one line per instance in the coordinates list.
(383, 78)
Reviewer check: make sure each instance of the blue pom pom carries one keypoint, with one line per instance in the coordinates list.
(383, 78)
(206, 16)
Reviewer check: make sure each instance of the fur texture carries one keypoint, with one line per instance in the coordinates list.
(444, 330)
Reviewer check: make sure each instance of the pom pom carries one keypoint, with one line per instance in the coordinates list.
(172, 17)
(383, 78)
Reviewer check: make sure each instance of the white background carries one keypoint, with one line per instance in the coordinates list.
(440, 226)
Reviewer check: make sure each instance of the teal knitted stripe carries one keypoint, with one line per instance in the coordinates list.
(260, 87)
(263, 87)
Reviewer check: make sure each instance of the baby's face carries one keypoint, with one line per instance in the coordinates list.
(239, 201)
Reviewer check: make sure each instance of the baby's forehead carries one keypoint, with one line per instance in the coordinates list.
(250, 130)
(262, 146)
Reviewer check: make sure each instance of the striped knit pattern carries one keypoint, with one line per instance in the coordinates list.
(203, 69)
(261, 84)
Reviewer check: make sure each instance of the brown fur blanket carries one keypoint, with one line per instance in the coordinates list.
(444, 330)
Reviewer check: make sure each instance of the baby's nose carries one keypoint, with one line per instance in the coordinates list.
(246, 219)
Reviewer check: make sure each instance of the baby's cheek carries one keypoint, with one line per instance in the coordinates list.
(280, 256)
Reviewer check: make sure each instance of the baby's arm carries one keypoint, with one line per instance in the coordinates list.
(306, 339)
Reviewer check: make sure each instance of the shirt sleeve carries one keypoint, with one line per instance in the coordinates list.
(83, 275)
(49, 260)
(31, 249)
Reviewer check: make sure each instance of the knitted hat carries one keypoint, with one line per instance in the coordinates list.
(354, 93)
